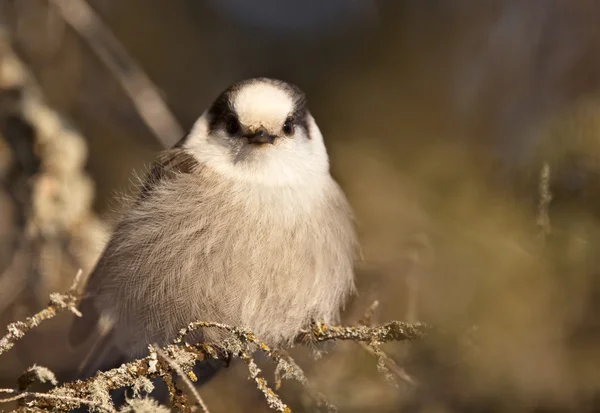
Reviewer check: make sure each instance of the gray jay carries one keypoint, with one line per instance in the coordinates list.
(239, 223)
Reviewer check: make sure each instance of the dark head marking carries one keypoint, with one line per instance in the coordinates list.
(222, 114)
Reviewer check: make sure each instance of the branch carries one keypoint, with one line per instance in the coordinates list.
(19, 395)
(273, 400)
(545, 197)
(385, 364)
(285, 363)
(58, 303)
(138, 86)
(392, 331)
(95, 391)
(185, 377)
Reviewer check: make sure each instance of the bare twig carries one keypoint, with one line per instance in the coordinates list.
(12, 281)
(543, 220)
(368, 317)
(58, 303)
(140, 89)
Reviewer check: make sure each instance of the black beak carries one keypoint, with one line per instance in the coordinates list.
(260, 136)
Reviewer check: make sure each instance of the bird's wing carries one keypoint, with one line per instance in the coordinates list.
(167, 166)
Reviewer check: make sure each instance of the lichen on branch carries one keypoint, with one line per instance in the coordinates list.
(180, 358)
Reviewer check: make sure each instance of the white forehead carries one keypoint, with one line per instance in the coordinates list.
(262, 104)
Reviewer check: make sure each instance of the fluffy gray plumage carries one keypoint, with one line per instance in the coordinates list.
(255, 235)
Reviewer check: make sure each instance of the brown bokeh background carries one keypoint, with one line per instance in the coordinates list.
(438, 117)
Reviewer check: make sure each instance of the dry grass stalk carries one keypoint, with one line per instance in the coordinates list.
(141, 90)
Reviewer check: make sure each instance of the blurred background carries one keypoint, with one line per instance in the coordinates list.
(465, 133)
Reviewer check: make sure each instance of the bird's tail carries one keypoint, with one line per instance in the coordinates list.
(97, 330)
(104, 355)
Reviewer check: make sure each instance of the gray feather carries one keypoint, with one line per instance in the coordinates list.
(202, 247)
(261, 238)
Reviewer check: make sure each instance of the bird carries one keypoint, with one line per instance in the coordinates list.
(240, 223)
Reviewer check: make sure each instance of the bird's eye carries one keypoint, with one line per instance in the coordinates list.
(232, 125)
(288, 126)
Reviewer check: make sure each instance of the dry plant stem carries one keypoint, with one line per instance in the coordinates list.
(67, 399)
(58, 303)
(413, 279)
(545, 195)
(387, 365)
(382, 358)
(272, 398)
(12, 281)
(144, 94)
(289, 367)
(95, 390)
(177, 368)
(368, 317)
(392, 331)
(126, 375)
(291, 370)
(384, 363)
(177, 398)
(245, 337)
(72, 394)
